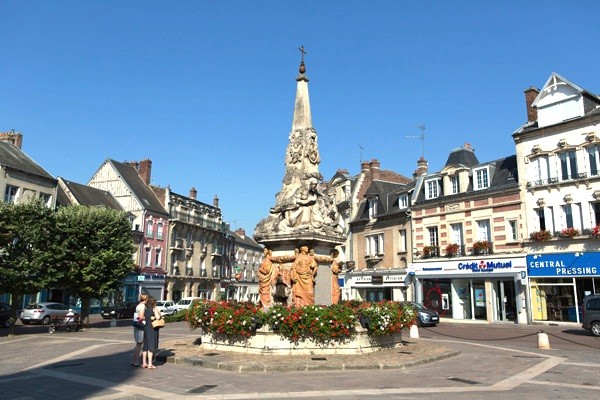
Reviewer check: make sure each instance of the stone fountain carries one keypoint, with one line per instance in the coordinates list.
(302, 230)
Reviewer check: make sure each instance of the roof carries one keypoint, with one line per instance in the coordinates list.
(13, 157)
(245, 241)
(138, 187)
(387, 194)
(462, 156)
(87, 195)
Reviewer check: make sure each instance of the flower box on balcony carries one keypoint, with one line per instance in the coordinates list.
(569, 233)
(430, 251)
(482, 247)
(540, 236)
(452, 250)
(595, 232)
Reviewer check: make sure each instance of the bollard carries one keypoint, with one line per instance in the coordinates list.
(414, 332)
(543, 342)
(113, 322)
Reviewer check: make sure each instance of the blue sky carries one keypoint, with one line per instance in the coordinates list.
(205, 89)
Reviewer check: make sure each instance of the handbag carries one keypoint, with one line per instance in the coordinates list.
(158, 323)
(137, 324)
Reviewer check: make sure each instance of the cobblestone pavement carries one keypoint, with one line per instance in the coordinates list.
(496, 361)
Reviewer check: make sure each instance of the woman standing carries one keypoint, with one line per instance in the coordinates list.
(150, 334)
(138, 330)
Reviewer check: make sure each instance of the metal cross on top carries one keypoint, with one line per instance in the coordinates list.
(302, 51)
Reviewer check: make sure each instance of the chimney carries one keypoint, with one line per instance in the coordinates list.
(193, 193)
(145, 170)
(216, 201)
(135, 165)
(375, 168)
(530, 95)
(241, 233)
(12, 137)
(421, 167)
(468, 146)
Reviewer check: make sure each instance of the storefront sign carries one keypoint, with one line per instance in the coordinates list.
(483, 266)
(377, 280)
(469, 266)
(564, 264)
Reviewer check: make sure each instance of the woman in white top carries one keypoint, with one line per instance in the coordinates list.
(138, 334)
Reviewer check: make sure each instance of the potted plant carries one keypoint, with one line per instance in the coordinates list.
(540, 236)
(595, 232)
(569, 232)
(452, 249)
(430, 251)
(481, 247)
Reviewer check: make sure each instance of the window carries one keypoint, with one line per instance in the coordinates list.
(541, 219)
(158, 258)
(596, 207)
(159, 231)
(432, 189)
(433, 236)
(10, 194)
(374, 245)
(403, 201)
(149, 228)
(456, 233)
(483, 230)
(45, 198)
(455, 183)
(402, 244)
(372, 207)
(148, 259)
(594, 159)
(568, 165)
(481, 178)
(571, 216)
(540, 170)
(513, 230)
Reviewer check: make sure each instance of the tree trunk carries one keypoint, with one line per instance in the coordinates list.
(17, 300)
(85, 309)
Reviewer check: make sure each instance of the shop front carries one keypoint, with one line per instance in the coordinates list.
(558, 282)
(490, 289)
(376, 285)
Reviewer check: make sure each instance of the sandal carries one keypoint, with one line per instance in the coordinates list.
(151, 367)
(144, 366)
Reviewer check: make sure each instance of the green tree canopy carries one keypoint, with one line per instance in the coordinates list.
(27, 239)
(96, 250)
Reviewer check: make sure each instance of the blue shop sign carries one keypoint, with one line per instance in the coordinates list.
(564, 264)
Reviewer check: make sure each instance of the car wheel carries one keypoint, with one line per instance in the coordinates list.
(595, 328)
(119, 316)
(25, 322)
(6, 323)
(46, 320)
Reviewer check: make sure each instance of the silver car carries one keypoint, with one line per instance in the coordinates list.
(166, 307)
(43, 313)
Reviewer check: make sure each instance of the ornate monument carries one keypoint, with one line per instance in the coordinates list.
(302, 229)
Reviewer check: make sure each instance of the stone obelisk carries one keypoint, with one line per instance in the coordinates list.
(303, 219)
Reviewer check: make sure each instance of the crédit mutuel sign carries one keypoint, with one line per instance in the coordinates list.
(567, 264)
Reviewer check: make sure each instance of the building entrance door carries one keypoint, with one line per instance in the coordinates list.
(505, 301)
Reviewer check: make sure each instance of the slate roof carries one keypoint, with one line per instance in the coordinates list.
(246, 240)
(14, 158)
(462, 156)
(87, 196)
(387, 194)
(138, 187)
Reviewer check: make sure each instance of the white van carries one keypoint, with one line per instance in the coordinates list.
(185, 302)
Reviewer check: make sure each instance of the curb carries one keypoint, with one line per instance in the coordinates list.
(303, 367)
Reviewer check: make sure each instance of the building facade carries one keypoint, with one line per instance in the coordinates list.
(467, 226)
(558, 154)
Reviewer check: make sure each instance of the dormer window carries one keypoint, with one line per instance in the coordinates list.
(481, 178)
(432, 189)
(403, 201)
(455, 184)
(373, 207)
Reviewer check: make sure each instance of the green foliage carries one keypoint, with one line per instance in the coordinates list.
(177, 317)
(27, 237)
(316, 322)
(95, 249)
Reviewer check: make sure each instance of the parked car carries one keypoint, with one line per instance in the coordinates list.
(425, 316)
(591, 314)
(166, 307)
(119, 310)
(5, 314)
(42, 313)
(184, 303)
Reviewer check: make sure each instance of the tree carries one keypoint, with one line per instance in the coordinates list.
(96, 251)
(27, 239)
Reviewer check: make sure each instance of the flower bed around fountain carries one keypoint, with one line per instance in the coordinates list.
(347, 328)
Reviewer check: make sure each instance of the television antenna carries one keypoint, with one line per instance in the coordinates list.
(421, 137)
(361, 151)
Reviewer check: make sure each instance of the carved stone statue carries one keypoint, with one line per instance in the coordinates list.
(336, 291)
(267, 275)
(303, 272)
